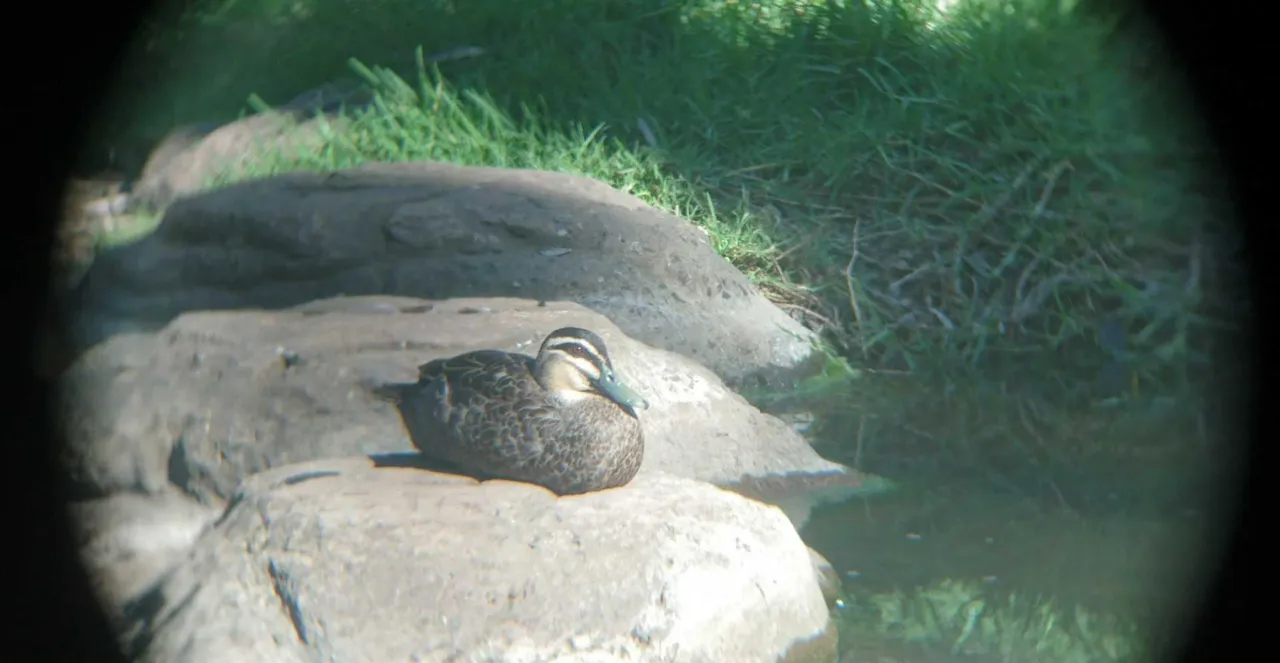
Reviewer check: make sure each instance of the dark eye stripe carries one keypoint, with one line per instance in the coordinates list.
(576, 349)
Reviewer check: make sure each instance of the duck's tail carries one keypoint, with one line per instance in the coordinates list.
(392, 393)
(386, 390)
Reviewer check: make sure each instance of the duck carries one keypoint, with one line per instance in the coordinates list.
(564, 420)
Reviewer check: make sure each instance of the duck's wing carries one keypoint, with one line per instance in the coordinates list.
(485, 380)
(482, 410)
(468, 376)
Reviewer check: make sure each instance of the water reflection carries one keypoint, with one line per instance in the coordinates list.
(1096, 519)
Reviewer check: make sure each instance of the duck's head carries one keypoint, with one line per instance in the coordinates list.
(573, 364)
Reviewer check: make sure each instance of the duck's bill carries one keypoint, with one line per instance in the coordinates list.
(617, 390)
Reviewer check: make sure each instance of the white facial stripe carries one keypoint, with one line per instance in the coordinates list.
(585, 367)
(571, 395)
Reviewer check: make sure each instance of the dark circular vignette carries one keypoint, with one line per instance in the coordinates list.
(1214, 47)
(64, 80)
(62, 74)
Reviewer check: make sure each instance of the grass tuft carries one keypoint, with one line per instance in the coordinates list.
(954, 619)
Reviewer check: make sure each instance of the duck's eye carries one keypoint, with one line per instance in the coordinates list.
(575, 350)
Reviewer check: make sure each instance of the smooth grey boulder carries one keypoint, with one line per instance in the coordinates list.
(437, 231)
(341, 561)
(128, 541)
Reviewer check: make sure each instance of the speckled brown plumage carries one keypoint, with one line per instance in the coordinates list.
(563, 420)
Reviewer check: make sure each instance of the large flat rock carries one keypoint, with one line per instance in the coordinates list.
(217, 396)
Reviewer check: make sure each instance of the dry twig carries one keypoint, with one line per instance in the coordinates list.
(853, 296)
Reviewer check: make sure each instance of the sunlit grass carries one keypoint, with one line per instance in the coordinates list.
(126, 229)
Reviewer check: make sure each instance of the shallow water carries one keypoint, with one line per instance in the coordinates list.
(1106, 510)
(915, 537)
(1141, 564)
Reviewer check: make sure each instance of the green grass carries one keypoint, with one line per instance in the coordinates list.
(126, 229)
(985, 212)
